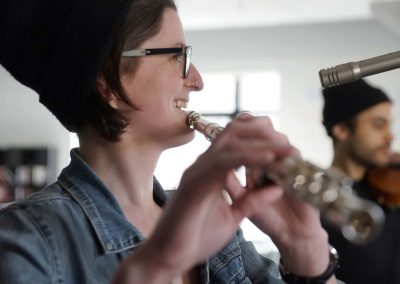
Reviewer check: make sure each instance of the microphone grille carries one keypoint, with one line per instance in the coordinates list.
(329, 77)
(340, 74)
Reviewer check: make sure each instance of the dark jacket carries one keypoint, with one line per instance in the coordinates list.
(374, 262)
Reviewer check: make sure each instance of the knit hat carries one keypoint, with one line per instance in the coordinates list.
(56, 48)
(345, 101)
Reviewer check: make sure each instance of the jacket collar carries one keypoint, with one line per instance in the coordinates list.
(101, 208)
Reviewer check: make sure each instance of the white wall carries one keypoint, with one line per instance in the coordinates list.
(298, 52)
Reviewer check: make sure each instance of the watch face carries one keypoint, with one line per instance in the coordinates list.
(321, 279)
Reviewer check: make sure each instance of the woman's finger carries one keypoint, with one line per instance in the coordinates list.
(233, 186)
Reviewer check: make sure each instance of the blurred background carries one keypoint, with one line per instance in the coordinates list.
(261, 56)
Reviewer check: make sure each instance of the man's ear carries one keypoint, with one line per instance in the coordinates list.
(105, 91)
(340, 131)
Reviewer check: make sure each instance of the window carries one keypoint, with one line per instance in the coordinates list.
(260, 94)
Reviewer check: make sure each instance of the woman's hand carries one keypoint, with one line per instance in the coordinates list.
(293, 225)
(199, 221)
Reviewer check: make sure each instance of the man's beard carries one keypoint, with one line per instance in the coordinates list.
(369, 158)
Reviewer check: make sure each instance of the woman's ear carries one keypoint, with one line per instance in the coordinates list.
(105, 91)
(340, 131)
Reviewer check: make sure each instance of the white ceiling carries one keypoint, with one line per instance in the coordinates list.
(216, 14)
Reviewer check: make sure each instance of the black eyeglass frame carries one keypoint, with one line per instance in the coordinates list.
(185, 50)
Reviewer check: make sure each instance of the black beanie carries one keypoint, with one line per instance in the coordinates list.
(56, 47)
(345, 101)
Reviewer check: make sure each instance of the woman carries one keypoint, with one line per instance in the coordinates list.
(104, 219)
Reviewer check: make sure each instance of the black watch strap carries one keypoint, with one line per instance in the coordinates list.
(320, 279)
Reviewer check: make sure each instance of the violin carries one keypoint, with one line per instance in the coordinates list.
(384, 182)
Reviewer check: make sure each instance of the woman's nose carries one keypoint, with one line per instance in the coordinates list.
(194, 80)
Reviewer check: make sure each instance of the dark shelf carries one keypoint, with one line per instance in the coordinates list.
(23, 171)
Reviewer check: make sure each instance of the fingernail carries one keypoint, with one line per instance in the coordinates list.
(244, 115)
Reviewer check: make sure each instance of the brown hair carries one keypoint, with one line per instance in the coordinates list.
(143, 21)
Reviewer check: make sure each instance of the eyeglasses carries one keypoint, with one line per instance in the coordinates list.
(186, 51)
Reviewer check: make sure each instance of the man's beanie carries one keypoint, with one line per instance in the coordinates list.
(345, 101)
(56, 47)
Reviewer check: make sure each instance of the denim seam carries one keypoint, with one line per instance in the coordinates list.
(108, 243)
(220, 265)
(45, 232)
(84, 206)
(230, 254)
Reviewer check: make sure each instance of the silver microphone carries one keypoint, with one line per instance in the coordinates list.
(353, 71)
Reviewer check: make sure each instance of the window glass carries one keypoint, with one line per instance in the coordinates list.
(218, 95)
(73, 141)
(260, 92)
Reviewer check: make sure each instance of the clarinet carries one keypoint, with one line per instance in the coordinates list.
(329, 190)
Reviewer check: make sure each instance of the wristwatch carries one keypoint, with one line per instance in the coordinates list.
(320, 279)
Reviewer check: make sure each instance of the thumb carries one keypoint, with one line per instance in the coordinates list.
(252, 201)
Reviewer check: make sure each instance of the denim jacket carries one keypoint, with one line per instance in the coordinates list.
(74, 231)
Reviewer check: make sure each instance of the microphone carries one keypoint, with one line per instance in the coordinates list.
(353, 71)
